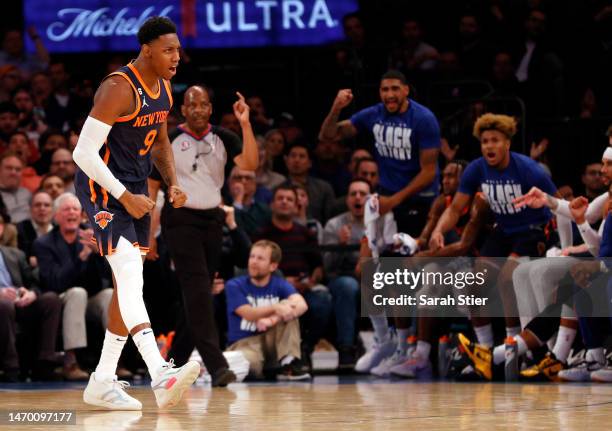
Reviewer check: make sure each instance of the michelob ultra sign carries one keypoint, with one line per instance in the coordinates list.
(111, 25)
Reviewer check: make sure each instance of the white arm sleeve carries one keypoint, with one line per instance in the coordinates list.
(562, 208)
(593, 213)
(564, 227)
(590, 237)
(86, 156)
(595, 210)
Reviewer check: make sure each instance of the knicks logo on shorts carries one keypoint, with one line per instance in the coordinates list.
(103, 218)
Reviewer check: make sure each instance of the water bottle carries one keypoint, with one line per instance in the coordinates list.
(511, 355)
(443, 356)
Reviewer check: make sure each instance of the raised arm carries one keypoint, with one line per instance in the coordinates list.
(249, 158)
(331, 128)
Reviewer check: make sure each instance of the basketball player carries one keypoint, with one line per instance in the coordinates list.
(406, 138)
(126, 130)
(502, 176)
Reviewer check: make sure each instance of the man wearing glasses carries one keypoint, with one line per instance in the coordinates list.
(250, 213)
(193, 233)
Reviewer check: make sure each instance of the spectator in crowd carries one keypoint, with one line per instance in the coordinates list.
(15, 197)
(64, 167)
(448, 68)
(540, 70)
(13, 52)
(37, 314)
(230, 122)
(275, 149)
(9, 123)
(312, 224)
(592, 181)
(329, 165)
(63, 107)
(302, 265)
(320, 192)
(48, 143)
(503, 77)
(348, 229)
(356, 155)
(475, 51)
(365, 168)
(41, 89)
(263, 311)
(19, 144)
(70, 266)
(39, 224)
(410, 52)
(10, 80)
(265, 176)
(30, 120)
(53, 185)
(235, 247)
(261, 122)
(365, 59)
(368, 170)
(288, 126)
(250, 214)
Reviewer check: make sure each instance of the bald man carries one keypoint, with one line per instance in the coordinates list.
(203, 153)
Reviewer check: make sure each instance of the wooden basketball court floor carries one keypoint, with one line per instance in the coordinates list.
(335, 403)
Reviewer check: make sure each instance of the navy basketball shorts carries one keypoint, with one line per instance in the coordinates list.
(109, 219)
(530, 243)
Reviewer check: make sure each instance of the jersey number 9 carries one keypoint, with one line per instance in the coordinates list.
(148, 141)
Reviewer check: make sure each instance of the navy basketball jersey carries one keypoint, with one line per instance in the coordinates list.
(127, 150)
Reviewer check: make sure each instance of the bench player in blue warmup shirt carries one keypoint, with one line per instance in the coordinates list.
(406, 139)
(125, 132)
(502, 176)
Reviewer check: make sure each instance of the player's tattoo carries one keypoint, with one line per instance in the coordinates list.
(163, 158)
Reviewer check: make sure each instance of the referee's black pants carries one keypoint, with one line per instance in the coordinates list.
(194, 240)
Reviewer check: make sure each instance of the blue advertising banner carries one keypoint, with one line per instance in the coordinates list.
(111, 25)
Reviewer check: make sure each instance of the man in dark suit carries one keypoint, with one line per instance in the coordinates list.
(21, 302)
(41, 214)
(69, 265)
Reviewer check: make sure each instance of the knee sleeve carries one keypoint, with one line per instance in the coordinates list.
(126, 264)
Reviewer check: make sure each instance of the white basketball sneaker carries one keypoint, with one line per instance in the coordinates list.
(378, 352)
(604, 375)
(383, 369)
(413, 368)
(109, 393)
(171, 382)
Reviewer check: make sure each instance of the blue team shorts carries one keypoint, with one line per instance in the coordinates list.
(109, 219)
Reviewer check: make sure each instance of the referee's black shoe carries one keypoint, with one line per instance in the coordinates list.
(223, 377)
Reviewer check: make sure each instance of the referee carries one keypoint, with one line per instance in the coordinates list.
(193, 233)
